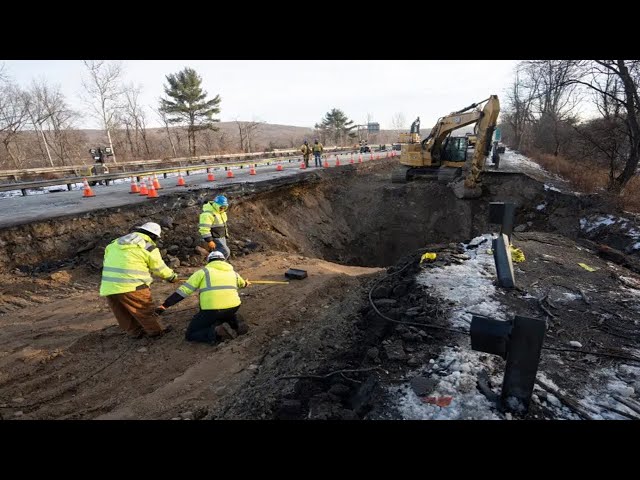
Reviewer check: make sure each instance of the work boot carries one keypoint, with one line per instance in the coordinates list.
(225, 332)
(241, 325)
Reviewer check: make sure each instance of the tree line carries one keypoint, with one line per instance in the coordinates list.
(584, 114)
(39, 128)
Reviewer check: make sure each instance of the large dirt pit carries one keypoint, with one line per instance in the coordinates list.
(316, 348)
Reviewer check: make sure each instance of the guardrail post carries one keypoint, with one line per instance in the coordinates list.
(165, 174)
(24, 191)
(68, 186)
(187, 172)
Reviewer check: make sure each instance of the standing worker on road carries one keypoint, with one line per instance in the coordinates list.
(306, 151)
(317, 153)
(213, 225)
(218, 285)
(128, 264)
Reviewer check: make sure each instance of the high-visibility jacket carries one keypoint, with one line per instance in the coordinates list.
(305, 149)
(317, 148)
(213, 222)
(218, 285)
(129, 262)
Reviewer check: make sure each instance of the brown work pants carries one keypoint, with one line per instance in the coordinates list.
(135, 312)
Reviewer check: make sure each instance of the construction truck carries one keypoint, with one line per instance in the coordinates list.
(444, 156)
(99, 156)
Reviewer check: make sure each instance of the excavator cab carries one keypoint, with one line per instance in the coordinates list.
(454, 149)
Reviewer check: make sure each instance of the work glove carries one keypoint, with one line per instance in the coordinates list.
(173, 279)
(211, 245)
(160, 310)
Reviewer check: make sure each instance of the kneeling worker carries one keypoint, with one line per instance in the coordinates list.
(128, 264)
(218, 285)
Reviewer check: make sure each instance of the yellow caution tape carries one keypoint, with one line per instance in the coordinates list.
(516, 254)
(587, 267)
(428, 256)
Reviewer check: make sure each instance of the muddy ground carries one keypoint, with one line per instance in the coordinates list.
(63, 357)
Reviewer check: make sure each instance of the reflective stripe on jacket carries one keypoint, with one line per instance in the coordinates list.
(218, 285)
(213, 223)
(129, 262)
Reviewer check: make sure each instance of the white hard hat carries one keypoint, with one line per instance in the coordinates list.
(215, 255)
(151, 227)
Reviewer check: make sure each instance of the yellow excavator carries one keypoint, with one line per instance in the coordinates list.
(444, 156)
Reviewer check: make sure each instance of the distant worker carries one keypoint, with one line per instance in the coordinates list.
(128, 264)
(218, 285)
(415, 126)
(306, 151)
(317, 153)
(213, 225)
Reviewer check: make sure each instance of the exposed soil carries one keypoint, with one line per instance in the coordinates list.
(62, 355)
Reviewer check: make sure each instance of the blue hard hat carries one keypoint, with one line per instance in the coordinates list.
(221, 200)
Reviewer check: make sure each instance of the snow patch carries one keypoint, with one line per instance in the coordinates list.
(551, 187)
(542, 206)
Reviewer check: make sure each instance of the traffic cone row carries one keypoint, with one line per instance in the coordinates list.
(134, 186)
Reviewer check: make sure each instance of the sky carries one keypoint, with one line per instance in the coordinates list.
(300, 92)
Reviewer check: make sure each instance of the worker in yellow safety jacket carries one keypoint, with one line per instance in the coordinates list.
(306, 151)
(317, 153)
(213, 225)
(129, 262)
(218, 286)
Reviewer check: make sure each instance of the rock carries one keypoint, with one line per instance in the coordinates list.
(200, 412)
(413, 362)
(573, 343)
(385, 302)
(61, 277)
(395, 350)
(373, 353)
(186, 415)
(173, 262)
(176, 418)
(142, 350)
(520, 228)
(422, 385)
(252, 367)
(339, 390)
(173, 248)
(166, 222)
(381, 292)
(400, 290)
(409, 337)
(18, 400)
(625, 391)
(198, 249)
(413, 312)
(252, 245)
(19, 413)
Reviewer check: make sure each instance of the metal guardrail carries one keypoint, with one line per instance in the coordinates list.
(107, 178)
(77, 169)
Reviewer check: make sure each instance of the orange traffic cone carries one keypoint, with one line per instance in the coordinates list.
(359, 158)
(155, 183)
(252, 171)
(143, 188)
(302, 165)
(351, 161)
(210, 177)
(371, 156)
(134, 186)
(153, 193)
(279, 168)
(337, 161)
(326, 163)
(87, 192)
(180, 180)
(230, 173)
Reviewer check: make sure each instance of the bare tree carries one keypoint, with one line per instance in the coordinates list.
(398, 121)
(14, 115)
(618, 81)
(104, 92)
(247, 132)
(163, 118)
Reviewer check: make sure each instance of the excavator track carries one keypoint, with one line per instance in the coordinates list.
(400, 174)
